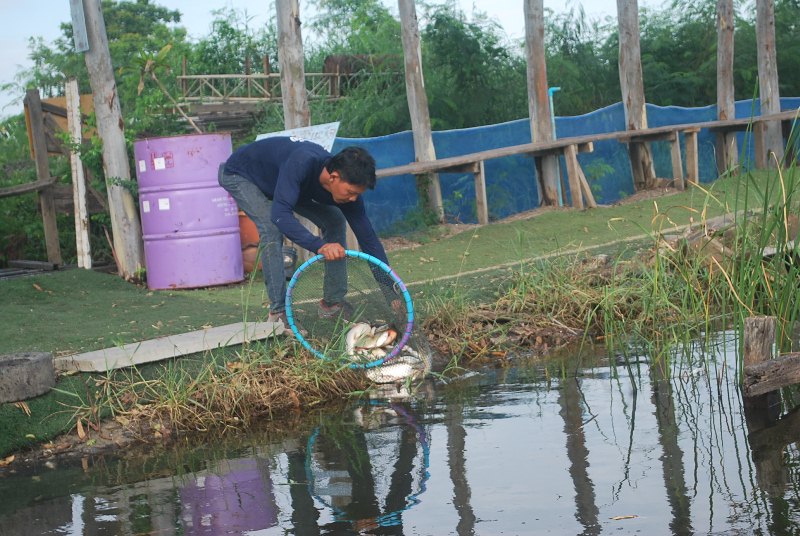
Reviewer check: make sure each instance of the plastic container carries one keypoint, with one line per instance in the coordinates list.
(190, 224)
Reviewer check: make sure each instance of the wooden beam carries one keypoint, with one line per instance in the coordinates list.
(46, 202)
(27, 187)
(588, 196)
(771, 375)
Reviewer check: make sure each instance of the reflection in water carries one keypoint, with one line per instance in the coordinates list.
(369, 472)
(606, 451)
(235, 498)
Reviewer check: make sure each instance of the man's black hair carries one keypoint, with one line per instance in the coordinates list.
(355, 165)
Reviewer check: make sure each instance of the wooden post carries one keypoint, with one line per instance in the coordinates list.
(267, 91)
(727, 151)
(127, 232)
(677, 165)
(290, 56)
(759, 339)
(768, 90)
(763, 410)
(538, 98)
(571, 158)
(247, 73)
(481, 202)
(296, 113)
(184, 85)
(692, 163)
(632, 85)
(428, 186)
(46, 202)
(74, 124)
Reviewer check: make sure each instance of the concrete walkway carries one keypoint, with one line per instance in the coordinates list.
(168, 347)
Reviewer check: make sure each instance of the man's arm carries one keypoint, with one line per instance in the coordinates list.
(287, 193)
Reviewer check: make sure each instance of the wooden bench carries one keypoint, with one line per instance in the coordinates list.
(474, 163)
(671, 134)
(756, 124)
(570, 147)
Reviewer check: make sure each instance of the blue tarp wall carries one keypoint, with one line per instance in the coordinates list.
(511, 181)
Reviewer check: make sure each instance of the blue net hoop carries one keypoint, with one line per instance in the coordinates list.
(375, 262)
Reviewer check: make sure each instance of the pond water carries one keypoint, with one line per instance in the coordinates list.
(575, 448)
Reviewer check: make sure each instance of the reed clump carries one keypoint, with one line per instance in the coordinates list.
(680, 284)
(216, 392)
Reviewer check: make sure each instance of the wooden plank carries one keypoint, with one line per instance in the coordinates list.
(32, 265)
(584, 144)
(168, 347)
(481, 203)
(460, 163)
(759, 339)
(27, 187)
(771, 375)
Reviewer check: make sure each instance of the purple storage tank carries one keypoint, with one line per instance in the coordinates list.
(189, 222)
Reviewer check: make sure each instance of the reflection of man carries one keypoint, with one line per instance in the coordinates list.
(273, 178)
(343, 449)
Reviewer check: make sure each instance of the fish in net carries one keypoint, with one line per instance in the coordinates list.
(368, 322)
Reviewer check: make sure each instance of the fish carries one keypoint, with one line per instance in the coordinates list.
(408, 365)
(366, 342)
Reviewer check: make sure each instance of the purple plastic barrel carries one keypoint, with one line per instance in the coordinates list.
(190, 224)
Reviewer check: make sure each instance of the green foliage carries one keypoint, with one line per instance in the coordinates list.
(232, 43)
(472, 78)
(582, 60)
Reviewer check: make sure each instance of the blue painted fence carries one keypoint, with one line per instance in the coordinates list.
(511, 181)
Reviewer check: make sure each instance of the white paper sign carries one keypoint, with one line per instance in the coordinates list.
(323, 135)
(159, 163)
(142, 166)
(163, 203)
(145, 206)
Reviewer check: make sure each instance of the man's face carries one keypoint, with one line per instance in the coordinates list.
(342, 191)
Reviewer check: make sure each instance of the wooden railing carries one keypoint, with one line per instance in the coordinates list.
(238, 88)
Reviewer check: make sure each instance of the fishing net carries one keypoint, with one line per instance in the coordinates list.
(359, 311)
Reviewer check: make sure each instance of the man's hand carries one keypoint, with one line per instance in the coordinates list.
(332, 252)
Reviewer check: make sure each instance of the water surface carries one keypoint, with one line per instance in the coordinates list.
(578, 447)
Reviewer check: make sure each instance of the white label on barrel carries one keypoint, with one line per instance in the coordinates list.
(142, 166)
(163, 203)
(159, 163)
(145, 206)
